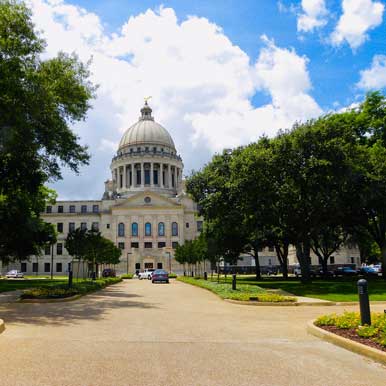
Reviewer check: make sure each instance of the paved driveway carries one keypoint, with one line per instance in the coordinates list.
(136, 333)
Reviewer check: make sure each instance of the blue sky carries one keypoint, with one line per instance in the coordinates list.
(221, 73)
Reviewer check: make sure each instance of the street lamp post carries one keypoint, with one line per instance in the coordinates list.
(170, 262)
(52, 261)
(127, 262)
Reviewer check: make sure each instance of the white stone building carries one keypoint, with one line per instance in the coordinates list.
(144, 209)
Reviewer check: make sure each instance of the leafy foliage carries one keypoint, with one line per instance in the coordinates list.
(39, 99)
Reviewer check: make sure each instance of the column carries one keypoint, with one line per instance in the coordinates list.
(132, 175)
(169, 177)
(124, 176)
(152, 174)
(142, 176)
(160, 177)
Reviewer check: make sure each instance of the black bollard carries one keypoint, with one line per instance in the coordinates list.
(205, 275)
(364, 303)
(69, 279)
(233, 282)
(192, 274)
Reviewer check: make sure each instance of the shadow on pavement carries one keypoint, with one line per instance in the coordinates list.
(90, 307)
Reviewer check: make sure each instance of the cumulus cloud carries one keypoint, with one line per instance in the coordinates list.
(201, 83)
(358, 17)
(314, 15)
(375, 76)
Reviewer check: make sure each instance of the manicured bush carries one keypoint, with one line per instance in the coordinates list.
(351, 320)
(62, 291)
(243, 292)
(172, 275)
(127, 276)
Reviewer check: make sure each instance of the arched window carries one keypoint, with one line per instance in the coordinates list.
(134, 229)
(161, 229)
(174, 229)
(147, 229)
(121, 229)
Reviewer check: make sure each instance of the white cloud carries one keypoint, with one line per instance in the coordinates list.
(314, 15)
(202, 84)
(375, 76)
(359, 16)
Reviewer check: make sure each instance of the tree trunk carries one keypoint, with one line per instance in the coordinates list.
(383, 252)
(324, 262)
(303, 255)
(257, 265)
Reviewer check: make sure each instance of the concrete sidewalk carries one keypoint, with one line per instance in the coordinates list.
(139, 333)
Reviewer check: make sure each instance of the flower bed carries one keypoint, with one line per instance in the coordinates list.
(348, 326)
(244, 292)
(61, 291)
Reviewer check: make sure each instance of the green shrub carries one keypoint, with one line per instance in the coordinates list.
(62, 291)
(172, 275)
(127, 276)
(367, 331)
(326, 320)
(348, 320)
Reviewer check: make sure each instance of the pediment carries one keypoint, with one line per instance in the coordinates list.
(141, 199)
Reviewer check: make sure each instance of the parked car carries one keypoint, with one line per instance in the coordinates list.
(377, 268)
(368, 271)
(345, 271)
(269, 271)
(298, 272)
(146, 274)
(14, 273)
(160, 275)
(108, 272)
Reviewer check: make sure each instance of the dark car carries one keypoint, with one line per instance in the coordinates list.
(108, 272)
(368, 271)
(269, 271)
(345, 271)
(159, 275)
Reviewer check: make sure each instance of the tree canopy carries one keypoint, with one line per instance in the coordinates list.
(39, 100)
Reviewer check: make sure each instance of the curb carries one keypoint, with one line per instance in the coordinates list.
(2, 326)
(347, 344)
(282, 304)
(68, 299)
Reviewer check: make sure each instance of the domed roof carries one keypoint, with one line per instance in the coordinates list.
(146, 131)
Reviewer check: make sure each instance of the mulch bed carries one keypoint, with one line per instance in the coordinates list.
(351, 334)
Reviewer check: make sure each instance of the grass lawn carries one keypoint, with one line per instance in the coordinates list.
(335, 289)
(243, 291)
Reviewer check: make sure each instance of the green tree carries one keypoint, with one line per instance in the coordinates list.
(39, 99)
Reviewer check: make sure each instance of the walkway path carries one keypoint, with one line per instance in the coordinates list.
(136, 333)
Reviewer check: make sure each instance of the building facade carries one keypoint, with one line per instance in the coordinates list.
(144, 209)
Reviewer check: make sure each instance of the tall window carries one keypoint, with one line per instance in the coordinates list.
(60, 209)
(83, 208)
(71, 226)
(134, 229)
(121, 229)
(147, 177)
(59, 249)
(95, 226)
(59, 227)
(147, 229)
(49, 209)
(138, 177)
(47, 250)
(72, 208)
(174, 229)
(155, 177)
(83, 226)
(95, 208)
(161, 229)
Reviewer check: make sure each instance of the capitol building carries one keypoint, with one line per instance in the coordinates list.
(144, 209)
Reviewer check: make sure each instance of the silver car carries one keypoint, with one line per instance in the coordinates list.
(14, 273)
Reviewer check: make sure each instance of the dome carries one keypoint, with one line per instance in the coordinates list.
(146, 131)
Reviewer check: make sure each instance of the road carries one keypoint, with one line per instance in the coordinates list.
(136, 333)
